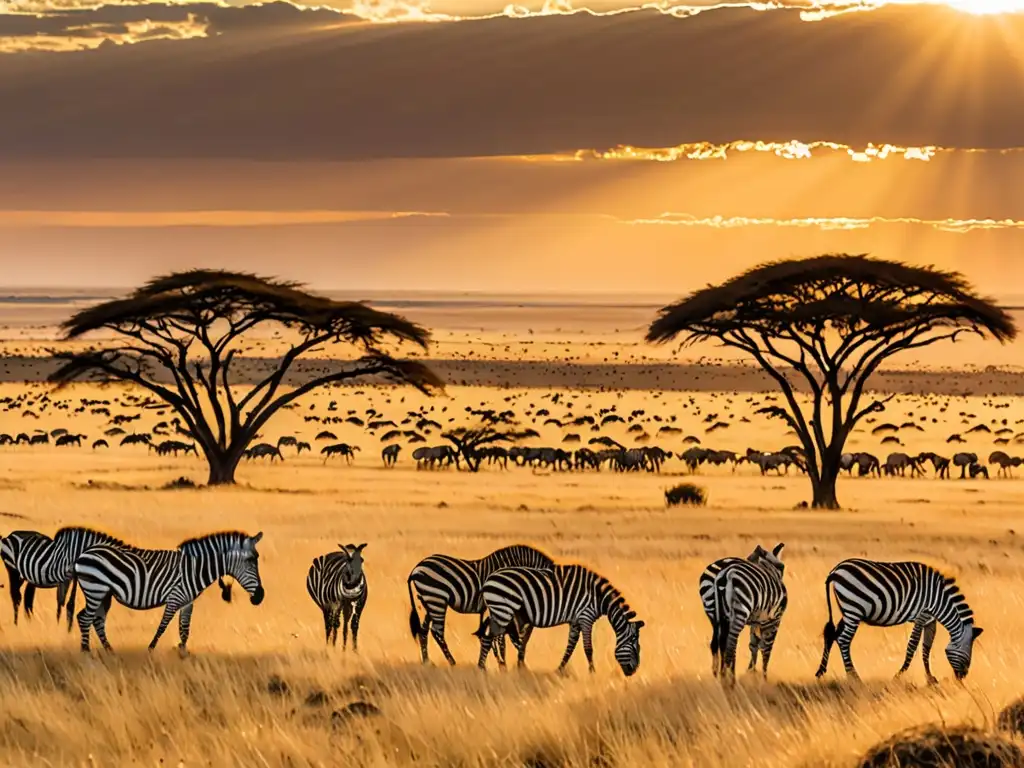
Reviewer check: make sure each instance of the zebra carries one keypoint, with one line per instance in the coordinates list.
(706, 589)
(444, 582)
(882, 594)
(337, 584)
(568, 594)
(40, 562)
(148, 578)
(750, 593)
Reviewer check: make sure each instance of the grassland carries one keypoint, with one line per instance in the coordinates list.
(226, 705)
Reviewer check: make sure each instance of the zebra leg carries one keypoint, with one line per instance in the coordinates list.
(30, 599)
(524, 638)
(755, 643)
(424, 633)
(356, 616)
(62, 593)
(169, 610)
(184, 625)
(335, 624)
(437, 630)
(845, 631)
(915, 639)
(740, 616)
(100, 622)
(574, 638)
(487, 638)
(15, 580)
(327, 624)
(768, 634)
(87, 616)
(715, 647)
(926, 651)
(588, 644)
(346, 617)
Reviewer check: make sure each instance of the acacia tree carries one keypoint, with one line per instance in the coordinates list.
(469, 440)
(832, 321)
(180, 337)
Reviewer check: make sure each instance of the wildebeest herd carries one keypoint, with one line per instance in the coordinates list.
(514, 590)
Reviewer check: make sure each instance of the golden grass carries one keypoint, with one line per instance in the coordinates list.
(216, 707)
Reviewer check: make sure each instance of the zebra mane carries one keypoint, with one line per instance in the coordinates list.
(102, 537)
(956, 597)
(619, 612)
(223, 541)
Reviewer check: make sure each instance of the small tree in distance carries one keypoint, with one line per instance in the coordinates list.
(179, 337)
(832, 320)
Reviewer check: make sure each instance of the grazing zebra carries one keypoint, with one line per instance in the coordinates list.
(44, 563)
(148, 578)
(883, 594)
(337, 584)
(569, 594)
(750, 593)
(706, 589)
(444, 582)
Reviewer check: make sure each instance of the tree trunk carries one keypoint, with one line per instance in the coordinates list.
(222, 469)
(825, 489)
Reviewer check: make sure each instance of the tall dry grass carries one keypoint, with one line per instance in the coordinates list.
(261, 689)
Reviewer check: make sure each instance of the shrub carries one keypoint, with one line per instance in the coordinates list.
(686, 493)
(935, 747)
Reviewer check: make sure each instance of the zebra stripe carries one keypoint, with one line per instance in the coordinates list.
(44, 563)
(882, 594)
(706, 589)
(750, 593)
(442, 582)
(568, 594)
(337, 584)
(148, 578)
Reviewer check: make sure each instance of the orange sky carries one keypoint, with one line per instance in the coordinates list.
(465, 156)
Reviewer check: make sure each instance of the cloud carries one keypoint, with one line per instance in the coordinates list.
(829, 223)
(324, 88)
(89, 36)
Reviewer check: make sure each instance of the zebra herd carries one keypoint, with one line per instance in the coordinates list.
(739, 592)
(513, 590)
(106, 568)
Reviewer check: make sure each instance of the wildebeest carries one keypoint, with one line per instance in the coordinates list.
(340, 449)
(390, 454)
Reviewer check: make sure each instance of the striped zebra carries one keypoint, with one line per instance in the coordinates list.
(40, 562)
(337, 584)
(148, 578)
(750, 593)
(568, 594)
(882, 594)
(706, 589)
(442, 582)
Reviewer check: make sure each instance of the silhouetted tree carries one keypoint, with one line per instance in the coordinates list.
(179, 336)
(833, 320)
(468, 441)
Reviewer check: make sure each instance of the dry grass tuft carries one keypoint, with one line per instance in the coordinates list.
(1011, 719)
(686, 493)
(936, 747)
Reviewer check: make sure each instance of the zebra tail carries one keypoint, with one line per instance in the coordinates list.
(70, 610)
(830, 627)
(414, 618)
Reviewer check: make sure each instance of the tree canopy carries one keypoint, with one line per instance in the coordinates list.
(178, 336)
(833, 320)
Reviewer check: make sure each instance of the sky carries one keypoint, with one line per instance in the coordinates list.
(475, 146)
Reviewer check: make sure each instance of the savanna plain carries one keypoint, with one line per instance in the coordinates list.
(261, 689)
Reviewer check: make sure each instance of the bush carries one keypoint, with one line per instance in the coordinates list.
(1011, 719)
(935, 747)
(687, 493)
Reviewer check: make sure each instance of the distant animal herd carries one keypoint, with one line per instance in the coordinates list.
(514, 590)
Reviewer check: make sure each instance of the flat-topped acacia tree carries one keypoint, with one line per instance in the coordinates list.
(179, 337)
(830, 322)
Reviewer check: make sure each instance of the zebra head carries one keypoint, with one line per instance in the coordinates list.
(352, 571)
(627, 644)
(242, 564)
(761, 556)
(958, 652)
